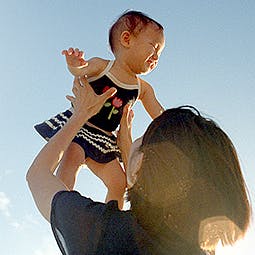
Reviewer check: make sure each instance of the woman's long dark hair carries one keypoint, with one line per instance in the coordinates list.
(190, 173)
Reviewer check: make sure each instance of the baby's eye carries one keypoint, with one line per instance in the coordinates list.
(155, 46)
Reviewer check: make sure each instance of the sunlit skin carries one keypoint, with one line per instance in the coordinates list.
(147, 46)
(134, 161)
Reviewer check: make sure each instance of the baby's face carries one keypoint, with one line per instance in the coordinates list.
(146, 48)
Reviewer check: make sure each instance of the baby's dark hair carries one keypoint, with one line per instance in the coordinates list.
(132, 21)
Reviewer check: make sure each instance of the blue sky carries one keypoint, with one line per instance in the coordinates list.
(208, 62)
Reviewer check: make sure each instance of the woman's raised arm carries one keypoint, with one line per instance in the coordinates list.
(40, 176)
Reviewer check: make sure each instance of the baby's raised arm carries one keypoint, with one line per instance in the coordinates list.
(149, 100)
(78, 66)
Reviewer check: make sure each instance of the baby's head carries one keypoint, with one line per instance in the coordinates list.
(139, 39)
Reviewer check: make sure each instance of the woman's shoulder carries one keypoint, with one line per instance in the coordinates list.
(73, 201)
(101, 224)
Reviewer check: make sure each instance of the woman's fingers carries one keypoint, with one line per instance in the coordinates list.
(85, 98)
(108, 93)
(84, 83)
(76, 85)
(70, 98)
(128, 116)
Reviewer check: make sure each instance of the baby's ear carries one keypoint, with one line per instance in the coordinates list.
(125, 38)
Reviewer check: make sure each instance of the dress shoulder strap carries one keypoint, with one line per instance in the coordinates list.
(108, 67)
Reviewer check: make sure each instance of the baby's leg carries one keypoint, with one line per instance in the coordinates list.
(70, 164)
(113, 177)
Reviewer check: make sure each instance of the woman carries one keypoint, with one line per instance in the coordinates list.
(186, 188)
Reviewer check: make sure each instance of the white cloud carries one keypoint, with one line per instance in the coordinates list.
(15, 224)
(4, 204)
(25, 223)
(4, 173)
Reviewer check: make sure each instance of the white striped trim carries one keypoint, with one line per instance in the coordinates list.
(49, 124)
(85, 134)
(97, 145)
(88, 136)
(88, 133)
(107, 72)
(60, 123)
(122, 84)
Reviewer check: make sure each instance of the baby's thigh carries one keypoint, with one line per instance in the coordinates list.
(111, 173)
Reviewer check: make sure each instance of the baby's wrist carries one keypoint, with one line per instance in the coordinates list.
(76, 70)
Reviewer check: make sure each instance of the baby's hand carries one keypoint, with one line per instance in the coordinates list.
(75, 57)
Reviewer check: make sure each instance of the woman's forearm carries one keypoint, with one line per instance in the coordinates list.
(125, 134)
(125, 149)
(52, 152)
(41, 180)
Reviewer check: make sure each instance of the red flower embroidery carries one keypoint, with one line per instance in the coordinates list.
(117, 102)
(105, 88)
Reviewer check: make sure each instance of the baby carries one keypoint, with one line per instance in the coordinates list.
(136, 41)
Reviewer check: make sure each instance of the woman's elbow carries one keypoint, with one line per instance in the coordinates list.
(30, 175)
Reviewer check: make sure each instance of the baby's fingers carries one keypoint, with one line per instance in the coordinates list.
(64, 52)
(78, 53)
(70, 51)
(81, 54)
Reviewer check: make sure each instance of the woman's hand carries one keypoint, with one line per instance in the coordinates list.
(85, 101)
(124, 137)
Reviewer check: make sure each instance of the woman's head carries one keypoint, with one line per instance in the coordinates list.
(189, 173)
